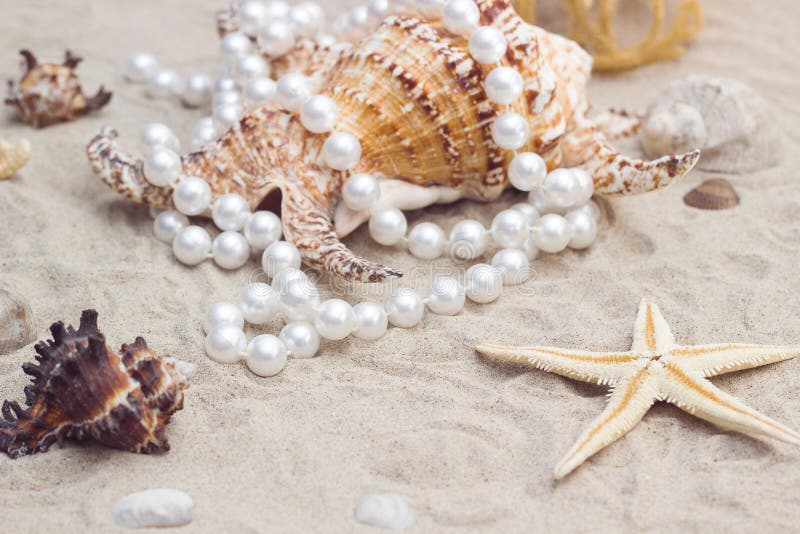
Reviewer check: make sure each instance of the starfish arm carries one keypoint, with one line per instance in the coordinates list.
(627, 404)
(651, 332)
(594, 367)
(691, 392)
(712, 360)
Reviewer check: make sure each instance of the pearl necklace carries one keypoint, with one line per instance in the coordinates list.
(559, 213)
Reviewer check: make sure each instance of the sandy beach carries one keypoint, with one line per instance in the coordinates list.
(472, 444)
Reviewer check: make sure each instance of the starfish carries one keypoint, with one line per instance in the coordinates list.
(655, 369)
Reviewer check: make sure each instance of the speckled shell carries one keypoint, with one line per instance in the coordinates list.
(17, 325)
(413, 95)
(48, 93)
(727, 119)
(83, 390)
(714, 194)
(13, 157)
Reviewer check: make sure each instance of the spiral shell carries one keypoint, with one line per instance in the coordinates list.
(13, 157)
(727, 119)
(17, 326)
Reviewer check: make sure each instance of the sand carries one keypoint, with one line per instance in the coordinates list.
(471, 444)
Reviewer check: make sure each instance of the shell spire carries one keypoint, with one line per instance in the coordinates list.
(81, 389)
(413, 95)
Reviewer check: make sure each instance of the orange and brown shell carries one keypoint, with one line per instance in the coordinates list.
(413, 95)
(48, 93)
(83, 390)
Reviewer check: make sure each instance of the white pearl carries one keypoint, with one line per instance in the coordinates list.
(487, 45)
(203, 133)
(282, 278)
(279, 256)
(527, 171)
(259, 303)
(301, 338)
(513, 265)
(584, 229)
(378, 10)
(197, 90)
(586, 186)
(157, 134)
(461, 16)
(293, 90)
(529, 248)
(224, 83)
(431, 9)
(371, 320)
(303, 21)
(326, 40)
(234, 45)
(251, 66)
(277, 9)
(192, 196)
(319, 114)
(230, 211)
(426, 241)
(266, 355)
(162, 166)
(167, 225)
(259, 90)
(563, 188)
(590, 208)
(360, 192)
(388, 226)
(230, 250)
(276, 38)
(503, 85)
(446, 296)
(227, 115)
(335, 319)
(225, 344)
(252, 15)
(358, 22)
(318, 17)
(404, 308)
(341, 26)
(468, 240)
(483, 283)
(141, 67)
(552, 233)
(341, 151)
(542, 203)
(529, 211)
(223, 313)
(227, 97)
(262, 229)
(510, 131)
(164, 83)
(299, 298)
(510, 228)
(192, 245)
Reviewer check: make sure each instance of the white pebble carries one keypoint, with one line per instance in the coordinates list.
(385, 510)
(161, 507)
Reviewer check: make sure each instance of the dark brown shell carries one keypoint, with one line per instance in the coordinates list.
(49, 93)
(83, 390)
(714, 194)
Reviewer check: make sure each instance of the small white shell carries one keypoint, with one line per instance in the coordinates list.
(727, 119)
(17, 327)
(159, 507)
(13, 157)
(385, 510)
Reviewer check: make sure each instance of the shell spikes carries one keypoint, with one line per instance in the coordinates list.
(83, 390)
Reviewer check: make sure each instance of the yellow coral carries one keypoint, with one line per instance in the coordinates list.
(599, 38)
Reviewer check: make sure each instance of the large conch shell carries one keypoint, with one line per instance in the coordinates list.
(414, 97)
(726, 118)
(13, 157)
(83, 390)
(47, 93)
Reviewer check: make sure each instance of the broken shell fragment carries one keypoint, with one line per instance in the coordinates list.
(714, 194)
(17, 326)
(13, 157)
(385, 510)
(160, 507)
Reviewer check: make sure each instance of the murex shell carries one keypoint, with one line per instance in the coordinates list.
(727, 119)
(83, 390)
(48, 93)
(413, 95)
(13, 157)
